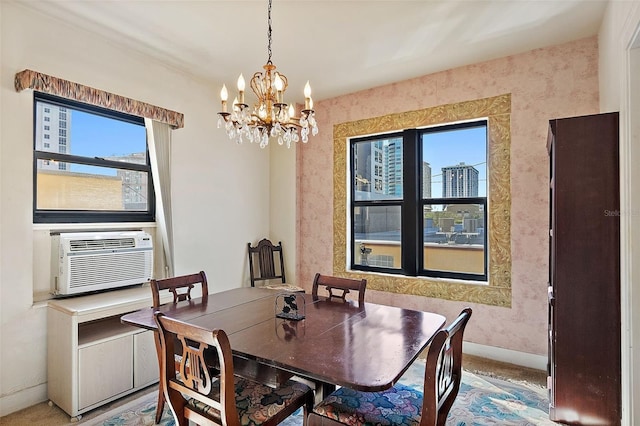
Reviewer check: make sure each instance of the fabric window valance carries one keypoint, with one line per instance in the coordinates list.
(29, 79)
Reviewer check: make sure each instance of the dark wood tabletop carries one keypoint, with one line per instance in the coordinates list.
(366, 348)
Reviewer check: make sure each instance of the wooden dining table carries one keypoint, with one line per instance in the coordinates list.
(367, 347)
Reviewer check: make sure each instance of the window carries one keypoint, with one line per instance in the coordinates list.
(82, 177)
(496, 289)
(426, 210)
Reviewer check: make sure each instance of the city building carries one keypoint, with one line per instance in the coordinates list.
(134, 184)
(460, 180)
(52, 134)
(426, 180)
(392, 166)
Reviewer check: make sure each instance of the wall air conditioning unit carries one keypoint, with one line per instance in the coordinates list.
(90, 261)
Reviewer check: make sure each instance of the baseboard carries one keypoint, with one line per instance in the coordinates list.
(538, 362)
(23, 399)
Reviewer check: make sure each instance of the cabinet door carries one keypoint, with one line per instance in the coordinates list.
(105, 369)
(145, 359)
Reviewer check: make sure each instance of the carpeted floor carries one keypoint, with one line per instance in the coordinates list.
(492, 393)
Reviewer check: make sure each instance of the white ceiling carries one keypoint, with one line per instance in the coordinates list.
(340, 46)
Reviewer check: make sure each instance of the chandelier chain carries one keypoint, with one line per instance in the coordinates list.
(269, 33)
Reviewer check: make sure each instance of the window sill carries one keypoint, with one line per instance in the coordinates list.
(91, 226)
(439, 288)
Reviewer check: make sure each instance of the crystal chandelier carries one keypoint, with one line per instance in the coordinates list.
(270, 116)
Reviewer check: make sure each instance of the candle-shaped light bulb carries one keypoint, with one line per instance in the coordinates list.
(235, 102)
(224, 95)
(307, 96)
(241, 88)
(292, 111)
(307, 90)
(277, 81)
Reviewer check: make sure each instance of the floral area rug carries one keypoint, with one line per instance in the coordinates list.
(482, 400)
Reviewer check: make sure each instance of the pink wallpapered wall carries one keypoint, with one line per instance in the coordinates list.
(558, 81)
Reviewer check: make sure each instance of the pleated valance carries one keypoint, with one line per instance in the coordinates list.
(29, 79)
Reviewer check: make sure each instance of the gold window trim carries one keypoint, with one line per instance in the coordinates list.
(497, 111)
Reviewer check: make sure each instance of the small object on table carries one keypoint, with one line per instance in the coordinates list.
(290, 306)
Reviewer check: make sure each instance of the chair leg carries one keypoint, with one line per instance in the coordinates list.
(160, 405)
(159, 408)
(307, 408)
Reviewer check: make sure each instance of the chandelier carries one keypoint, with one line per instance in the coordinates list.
(270, 116)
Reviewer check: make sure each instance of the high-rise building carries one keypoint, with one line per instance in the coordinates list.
(392, 167)
(426, 180)
(134, 184)
(369, 170)
(459, 181)
(52, 134)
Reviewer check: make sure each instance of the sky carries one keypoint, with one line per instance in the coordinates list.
(449, 148)
(96, 136)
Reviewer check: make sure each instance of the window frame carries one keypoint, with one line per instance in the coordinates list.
(497, 290)
(89, 216)
(412, 203)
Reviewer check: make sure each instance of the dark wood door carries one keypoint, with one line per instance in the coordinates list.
(584, 293)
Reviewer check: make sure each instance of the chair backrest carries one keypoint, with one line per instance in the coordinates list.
(265, 253)
(180, 287)
(195, 380)
(443, 371)
(344, 285)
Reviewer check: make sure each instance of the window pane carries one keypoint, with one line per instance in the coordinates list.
(70, 186)
(377, 166)
(455, 163)
(90, 135)
(454, 238)
(377, 235)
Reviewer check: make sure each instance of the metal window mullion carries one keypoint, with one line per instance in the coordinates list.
(409, 210)
(99, 162)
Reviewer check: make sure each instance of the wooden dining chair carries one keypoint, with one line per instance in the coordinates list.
(266, 264)
(181, 287)
(341, 286)
(403, 405)
(195, 394)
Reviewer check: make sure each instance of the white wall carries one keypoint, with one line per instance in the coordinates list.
(217, 185)
(283, 189)
(619, 68)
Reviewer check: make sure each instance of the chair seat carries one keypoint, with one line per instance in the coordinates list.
(284, 287)
(399, 405)
(257, 403)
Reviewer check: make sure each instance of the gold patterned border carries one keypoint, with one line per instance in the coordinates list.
(498, 112)
(29, 79)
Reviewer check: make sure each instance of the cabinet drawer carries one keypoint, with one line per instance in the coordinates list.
(104, 369)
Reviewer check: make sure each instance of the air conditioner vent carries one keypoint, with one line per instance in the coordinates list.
(101, 244)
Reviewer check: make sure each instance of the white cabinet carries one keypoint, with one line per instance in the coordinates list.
(145, 363)
(92, 357)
